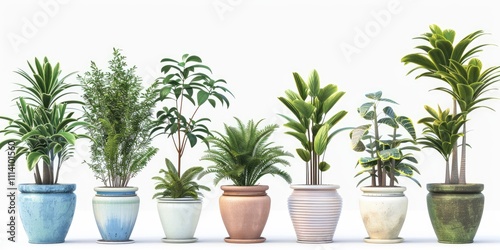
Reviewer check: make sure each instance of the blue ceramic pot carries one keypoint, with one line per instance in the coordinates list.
(115, 212)
(46, 211)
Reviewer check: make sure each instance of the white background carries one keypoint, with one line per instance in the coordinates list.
(255, 46)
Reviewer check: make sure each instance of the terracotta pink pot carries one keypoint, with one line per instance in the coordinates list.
(244, 211)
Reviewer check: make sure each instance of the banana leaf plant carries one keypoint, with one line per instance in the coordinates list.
(185, 89)
(44, 131)
(388, 156)
(312, 125)
(467, 82)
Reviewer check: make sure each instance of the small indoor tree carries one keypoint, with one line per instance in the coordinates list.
(467, 81)
(186, 87)
(120, 116)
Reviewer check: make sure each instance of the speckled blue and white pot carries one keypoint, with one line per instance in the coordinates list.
(46, 211)
(115, 212)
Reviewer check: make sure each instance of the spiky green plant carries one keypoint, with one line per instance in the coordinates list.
(120, 114)
(460, 68)
(387, 157)
(173, 185)
(312, 124)
(441, 133)
(44, 130)
(244, 155)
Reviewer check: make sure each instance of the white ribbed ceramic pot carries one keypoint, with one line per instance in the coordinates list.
(315, 212)
(383, 210)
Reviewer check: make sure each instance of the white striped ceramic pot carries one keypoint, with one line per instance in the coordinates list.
(315, 212)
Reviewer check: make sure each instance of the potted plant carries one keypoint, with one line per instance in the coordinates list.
(314, 208)
(383, 205)
(45, 133)
(455, 206)
(243, 155)
(120, 114)
(186, 87)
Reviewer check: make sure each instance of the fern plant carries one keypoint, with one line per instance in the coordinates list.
(173, 185)
(244, 155)
(120, 114)
(389, 157)
(45, 131)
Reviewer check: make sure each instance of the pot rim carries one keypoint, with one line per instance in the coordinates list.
(315, 187)
(244, 188)
(178, 200)
(383, 189)
(46, 188)
(115, 189)
(455, 188)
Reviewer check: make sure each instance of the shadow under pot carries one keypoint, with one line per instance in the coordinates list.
(115, 212)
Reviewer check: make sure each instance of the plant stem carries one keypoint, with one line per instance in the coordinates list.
(447, 174)
(454, 159)
(393, 161)
(380, 172)
(38, 180)
(462, 160)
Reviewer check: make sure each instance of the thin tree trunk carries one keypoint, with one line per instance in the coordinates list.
(454, 157)
(447, 174)
(462, 159)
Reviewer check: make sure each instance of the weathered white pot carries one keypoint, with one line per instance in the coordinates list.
(315, 211)
(179, 218)
(383, 210)
(115, 212)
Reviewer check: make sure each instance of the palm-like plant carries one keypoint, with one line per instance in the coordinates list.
(44, 130)
(441, 133)
(175, 186)
(244, 155)
(312, 125)
(387, 157)
(463, 72)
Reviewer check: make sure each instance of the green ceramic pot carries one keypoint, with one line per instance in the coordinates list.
(455, 211)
